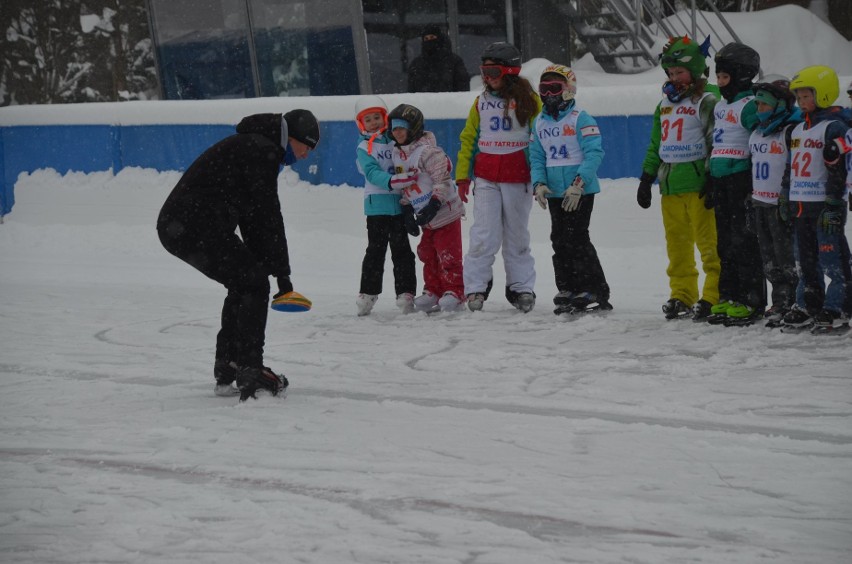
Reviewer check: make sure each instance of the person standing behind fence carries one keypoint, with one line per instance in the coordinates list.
(437, 68)
(496, 137)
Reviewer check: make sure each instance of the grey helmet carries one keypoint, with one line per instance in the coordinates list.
(502, 53)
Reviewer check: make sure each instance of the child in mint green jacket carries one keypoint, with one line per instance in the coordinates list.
(742, 289)
(385, 214)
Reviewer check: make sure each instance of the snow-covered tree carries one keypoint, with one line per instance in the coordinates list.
(59, 51)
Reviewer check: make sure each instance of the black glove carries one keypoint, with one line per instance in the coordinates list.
(284, 286)
(832, 218)
(750, 213)
(784, 209)
(409, 220)
(643, 194)
(707, 193)
(428, 213)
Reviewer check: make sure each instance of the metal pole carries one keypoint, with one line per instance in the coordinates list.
(694, 36)
(155, 45)
(255, 72)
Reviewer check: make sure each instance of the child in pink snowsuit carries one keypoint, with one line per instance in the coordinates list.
(433, 204)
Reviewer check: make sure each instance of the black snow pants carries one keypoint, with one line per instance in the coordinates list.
(575, 259)
(741, 279)
(384, 230)
(223, 257)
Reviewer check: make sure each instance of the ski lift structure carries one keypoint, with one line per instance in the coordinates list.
(626, 36)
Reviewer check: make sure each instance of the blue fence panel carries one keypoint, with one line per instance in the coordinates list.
(90, 148)
(168, 147)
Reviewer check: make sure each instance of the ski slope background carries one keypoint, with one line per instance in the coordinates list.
(493, 437)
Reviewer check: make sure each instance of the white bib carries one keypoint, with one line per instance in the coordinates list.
(681, 132)
(848, 164)
(559, 140)
(730, 138)
(419, 193)
(500, 134)
(768, 159)
(808, 175)
(383, 153)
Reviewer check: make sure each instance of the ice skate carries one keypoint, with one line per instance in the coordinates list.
(225, 373)
(365, 303)
(583, 303)
(774, 316)
(476, 301)
(719, 312)
(701, 311)
(796, 320)
(676, 309)
(405, 302)
(525, 302)
(450, 302)
(830, 322)
(427, 301)
(250, 380)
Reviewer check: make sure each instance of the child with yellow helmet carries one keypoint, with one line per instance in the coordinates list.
(814, 196)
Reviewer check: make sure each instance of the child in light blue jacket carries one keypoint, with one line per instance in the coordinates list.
(565, 154)
(385, 214)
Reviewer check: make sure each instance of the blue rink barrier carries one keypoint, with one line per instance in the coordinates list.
(95, 148)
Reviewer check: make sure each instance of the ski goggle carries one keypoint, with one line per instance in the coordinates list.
(498, 71)
(551, 88)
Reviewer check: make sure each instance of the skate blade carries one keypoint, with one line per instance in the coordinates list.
(829, 330)
(796, 329)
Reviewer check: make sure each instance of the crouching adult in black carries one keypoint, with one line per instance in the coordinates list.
(234, 184)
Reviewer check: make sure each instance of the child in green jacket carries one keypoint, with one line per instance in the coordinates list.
(742, 289)
(681, 137)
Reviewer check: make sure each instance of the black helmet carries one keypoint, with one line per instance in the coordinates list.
(502, 53)
(413, 116)
(738, 60)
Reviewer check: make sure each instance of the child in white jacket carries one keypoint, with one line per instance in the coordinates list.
(432, 203)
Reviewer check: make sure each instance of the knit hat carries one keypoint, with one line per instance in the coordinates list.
(303, 127)
(685, 52)
(765, 96)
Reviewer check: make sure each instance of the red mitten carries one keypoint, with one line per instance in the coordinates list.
(464, 188)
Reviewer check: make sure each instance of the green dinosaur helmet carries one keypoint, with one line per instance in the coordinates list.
(684, 52)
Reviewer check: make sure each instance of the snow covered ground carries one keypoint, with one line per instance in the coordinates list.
(493, 437)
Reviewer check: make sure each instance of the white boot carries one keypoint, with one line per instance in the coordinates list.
(475, 301)
(427, 301)
(450, 302)
(365, 303)
(405, 302)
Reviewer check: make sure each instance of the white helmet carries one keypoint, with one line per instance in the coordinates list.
(370, 105)
(570, 89)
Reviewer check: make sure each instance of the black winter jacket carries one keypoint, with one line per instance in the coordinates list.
(235, 183)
